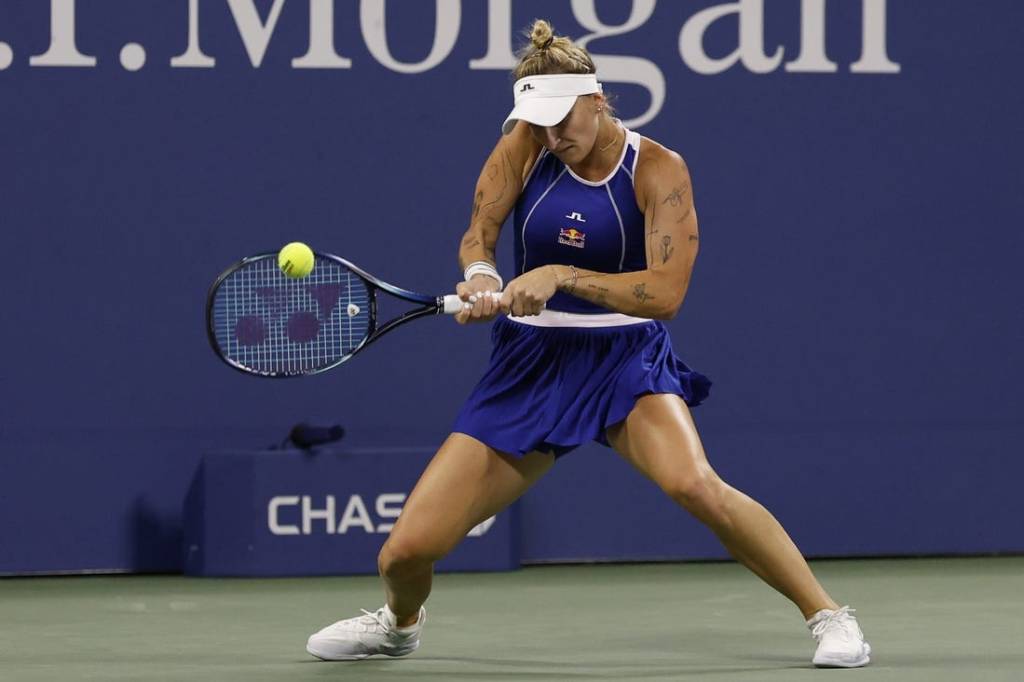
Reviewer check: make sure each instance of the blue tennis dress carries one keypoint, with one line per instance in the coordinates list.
(560, 379)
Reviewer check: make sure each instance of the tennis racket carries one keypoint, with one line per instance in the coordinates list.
(262, 322)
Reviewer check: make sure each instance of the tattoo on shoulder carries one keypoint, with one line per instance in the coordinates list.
(640, 293)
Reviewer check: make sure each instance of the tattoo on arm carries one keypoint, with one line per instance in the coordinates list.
(506, 174)
(640, 293)
(666, 249)
(651, 232)
(676, 196)
(694, 238)
(505, 168)
(599, 294)
(589, 284)
(471, 241)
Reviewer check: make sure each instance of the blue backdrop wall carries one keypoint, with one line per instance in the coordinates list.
(857, 299)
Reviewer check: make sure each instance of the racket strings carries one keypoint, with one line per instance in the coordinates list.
(269, 323)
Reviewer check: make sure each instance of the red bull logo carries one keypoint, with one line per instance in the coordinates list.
(570, 236)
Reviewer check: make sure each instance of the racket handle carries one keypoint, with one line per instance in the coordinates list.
(452, 304)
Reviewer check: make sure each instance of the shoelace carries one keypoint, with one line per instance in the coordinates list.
(841, 617)
(370, 617)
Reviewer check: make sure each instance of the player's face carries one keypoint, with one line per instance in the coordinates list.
(572, 139)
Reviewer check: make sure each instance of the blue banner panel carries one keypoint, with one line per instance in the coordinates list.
(847, 499)
(277, 513)
(855, 165)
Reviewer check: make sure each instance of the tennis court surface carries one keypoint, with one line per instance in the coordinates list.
(927, 619)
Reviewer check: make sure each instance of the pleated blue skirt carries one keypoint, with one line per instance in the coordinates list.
(555, 388)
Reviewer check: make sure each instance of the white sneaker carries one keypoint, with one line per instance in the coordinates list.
(372, 633)
(840, 640)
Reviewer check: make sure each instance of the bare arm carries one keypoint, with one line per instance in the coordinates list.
(670, 224)
(497, 190)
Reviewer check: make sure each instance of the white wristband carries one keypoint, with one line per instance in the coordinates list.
(481, 267)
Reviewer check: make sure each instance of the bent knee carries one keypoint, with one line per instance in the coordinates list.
(701, 492)
(401, 556)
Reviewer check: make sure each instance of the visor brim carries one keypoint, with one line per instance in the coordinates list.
(542, 111)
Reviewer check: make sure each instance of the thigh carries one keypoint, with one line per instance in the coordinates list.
(465, 483)
(660, 439)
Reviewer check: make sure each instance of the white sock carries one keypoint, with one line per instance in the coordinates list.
(393, 620)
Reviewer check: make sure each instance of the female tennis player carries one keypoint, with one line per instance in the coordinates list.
(605, 241)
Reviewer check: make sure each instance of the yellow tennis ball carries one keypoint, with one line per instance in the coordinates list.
(296, 260)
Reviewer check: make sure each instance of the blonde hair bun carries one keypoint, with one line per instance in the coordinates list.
(541, 34)
(547, 53)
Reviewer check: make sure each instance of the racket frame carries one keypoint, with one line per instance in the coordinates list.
(431, 305)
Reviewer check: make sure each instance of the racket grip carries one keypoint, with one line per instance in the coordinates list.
(452, 304)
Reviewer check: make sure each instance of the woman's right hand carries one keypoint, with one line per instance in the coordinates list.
(482, 293)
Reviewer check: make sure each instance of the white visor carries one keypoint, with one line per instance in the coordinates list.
(546, 100)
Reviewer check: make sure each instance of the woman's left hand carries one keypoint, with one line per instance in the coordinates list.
(527, 294)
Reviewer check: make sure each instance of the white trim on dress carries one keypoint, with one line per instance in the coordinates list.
(615, 169)
(558, 318)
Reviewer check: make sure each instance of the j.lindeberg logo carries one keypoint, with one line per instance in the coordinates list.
(576, 216)
(526, 86)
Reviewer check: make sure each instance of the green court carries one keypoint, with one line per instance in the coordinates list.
(926, 619)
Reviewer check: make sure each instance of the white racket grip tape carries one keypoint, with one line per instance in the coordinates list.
(453, 304)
